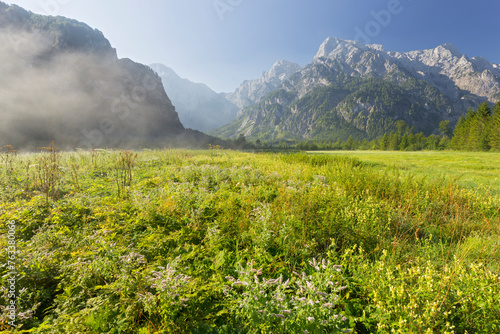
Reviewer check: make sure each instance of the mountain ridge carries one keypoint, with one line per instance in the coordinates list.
(252, 91)
(198, 106)
(420, 87)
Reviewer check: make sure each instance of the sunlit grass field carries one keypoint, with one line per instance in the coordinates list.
(218, 241)
(477, 171)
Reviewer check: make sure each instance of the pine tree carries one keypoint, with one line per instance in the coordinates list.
(384, 142)
(420, 141)
(432, 142)
(484, 110)
(349, 144)
(462, 135)
(479, 126)
(459, 134)
(444, 128)
(405, 142)
(495, 128)
(402, 127)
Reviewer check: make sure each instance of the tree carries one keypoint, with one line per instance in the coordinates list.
(349, 144)
(495, 128)
(384, 142)
(394, 141)
(484, 110)
(460, 134)
(402, 127)
(479, 129)
(405, 143)
(432, 142)
(444, 128)
(240, 142)
(476, 130)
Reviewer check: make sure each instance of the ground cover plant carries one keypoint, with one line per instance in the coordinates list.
(178, 241)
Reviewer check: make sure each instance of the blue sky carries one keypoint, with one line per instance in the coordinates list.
(223, 42)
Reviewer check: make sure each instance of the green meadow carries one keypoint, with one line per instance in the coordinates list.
(477, 171)
(218, 241)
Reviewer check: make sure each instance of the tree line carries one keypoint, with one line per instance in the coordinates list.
(478, 130)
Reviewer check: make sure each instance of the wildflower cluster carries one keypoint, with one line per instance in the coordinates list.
(302, 303)
(169, 290)
(133, 258)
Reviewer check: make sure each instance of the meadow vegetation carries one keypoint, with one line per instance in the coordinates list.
(179, 241)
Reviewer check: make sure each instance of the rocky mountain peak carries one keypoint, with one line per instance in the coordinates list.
(444, 56)
(451, 48)
(377, 47)
(164, 71)
(251, 91)
(281, 70)
(334, 47)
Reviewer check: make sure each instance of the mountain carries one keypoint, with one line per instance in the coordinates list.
(361, 90)
(252, 91)
(61, 80)
(198, 106)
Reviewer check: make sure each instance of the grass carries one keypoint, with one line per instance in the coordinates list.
(478, 171)
(180, 241)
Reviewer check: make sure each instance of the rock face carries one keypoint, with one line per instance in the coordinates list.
(198, 106)
(354, 89)
(446, 68)
(252, 91)
(61, 80)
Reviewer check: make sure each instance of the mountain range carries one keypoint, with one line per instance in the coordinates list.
(352, 89)
(62, 81)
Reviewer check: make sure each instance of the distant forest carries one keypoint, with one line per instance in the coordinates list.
(477, 130)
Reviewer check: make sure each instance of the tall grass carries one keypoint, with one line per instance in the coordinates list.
(414, 254)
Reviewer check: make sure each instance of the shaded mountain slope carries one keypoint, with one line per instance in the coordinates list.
(61, 80)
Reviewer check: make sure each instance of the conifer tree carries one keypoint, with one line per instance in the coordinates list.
(495, 128)
(405, 142)
(384, 142)
(444, 128)
(394, 140)
(479, 129)
(459, 134)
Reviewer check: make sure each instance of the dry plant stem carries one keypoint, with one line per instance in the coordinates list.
(48, 175)
(123, 167)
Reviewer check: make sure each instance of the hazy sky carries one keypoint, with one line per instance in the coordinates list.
(223, 42)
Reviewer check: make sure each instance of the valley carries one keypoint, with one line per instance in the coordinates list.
(352, 190)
